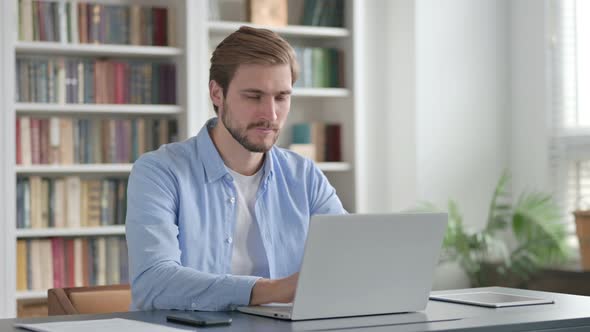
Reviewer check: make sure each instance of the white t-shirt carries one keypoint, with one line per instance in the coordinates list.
(248, 254)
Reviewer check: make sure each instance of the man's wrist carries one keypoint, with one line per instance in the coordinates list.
(262, 291)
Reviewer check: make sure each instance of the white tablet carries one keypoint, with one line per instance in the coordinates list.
(490, 299)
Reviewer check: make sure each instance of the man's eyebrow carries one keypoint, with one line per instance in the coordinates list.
(258, 91)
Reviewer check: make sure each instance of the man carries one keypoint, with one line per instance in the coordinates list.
(220, 219)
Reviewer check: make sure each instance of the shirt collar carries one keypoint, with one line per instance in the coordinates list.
(214, 166)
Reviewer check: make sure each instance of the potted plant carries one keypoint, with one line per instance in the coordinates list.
(535, 223)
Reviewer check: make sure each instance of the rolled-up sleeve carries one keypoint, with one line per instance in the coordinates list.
(158, 279)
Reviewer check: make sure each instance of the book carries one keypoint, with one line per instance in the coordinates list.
(305, 150)
(18, 143)
(333, 142)
(78, 263)
(35, 265)
(45, 268)
(25, 140)
(101, 261)
(113, 272)
(21, 265)
(93, 211)
(73, 188)
(70, 268)
(60, 195)
(36, 202)
(268, 12)
(323, 13)
(59, 263)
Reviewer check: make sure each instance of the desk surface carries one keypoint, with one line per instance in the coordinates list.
(568, 313)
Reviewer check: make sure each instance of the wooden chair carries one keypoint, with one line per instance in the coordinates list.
(88, 300)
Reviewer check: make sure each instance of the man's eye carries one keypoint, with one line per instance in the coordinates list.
(281, 97)
(254, 97)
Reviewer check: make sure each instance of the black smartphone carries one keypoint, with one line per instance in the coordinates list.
(200, 318)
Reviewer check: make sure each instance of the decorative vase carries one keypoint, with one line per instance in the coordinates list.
(583, 231)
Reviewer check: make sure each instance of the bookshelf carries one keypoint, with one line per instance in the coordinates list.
(195, 35)
(182, 54)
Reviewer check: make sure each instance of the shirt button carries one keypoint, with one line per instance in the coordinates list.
(232, 200)
(229, 240)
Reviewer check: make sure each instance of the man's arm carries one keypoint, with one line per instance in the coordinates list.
(158, 280)
(323, 198)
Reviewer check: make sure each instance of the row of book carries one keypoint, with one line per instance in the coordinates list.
(75, 80)
(320, 67)
(70, 202)
(71, 262)
(318, 141)
(66, 140)
(81, 22)
(323, 13)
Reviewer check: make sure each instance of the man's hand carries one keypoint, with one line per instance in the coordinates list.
(277, 290)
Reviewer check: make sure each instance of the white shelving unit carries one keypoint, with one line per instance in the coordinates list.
(70, 232)
(195, 35)
(321, 92)
(112, 109)
(221, 27)
(52, 48)
(100, 169)
(334, 166)
(31, 295)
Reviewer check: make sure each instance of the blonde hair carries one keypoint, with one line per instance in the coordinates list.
(249, 45)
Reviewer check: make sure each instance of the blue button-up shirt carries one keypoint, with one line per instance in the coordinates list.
(180, 220)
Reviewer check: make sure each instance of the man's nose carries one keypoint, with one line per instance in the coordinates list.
(268, 108)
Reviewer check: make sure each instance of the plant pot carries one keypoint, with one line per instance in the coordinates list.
(583, 231)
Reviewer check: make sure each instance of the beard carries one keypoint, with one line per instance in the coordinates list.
(240, 134)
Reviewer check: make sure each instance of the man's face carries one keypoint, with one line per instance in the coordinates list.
(256, 105)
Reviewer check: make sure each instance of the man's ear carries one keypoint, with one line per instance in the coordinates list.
(216, 94)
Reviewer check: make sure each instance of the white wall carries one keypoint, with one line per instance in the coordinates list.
(462, 108)
(462, 102)
(386, 152)
(529, 95)
(438, 92)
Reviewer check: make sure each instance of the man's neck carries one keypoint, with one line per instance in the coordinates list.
(234, 155)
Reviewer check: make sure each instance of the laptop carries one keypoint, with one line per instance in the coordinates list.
(364, 264)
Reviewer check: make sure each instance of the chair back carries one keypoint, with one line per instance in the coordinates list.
(88, 300)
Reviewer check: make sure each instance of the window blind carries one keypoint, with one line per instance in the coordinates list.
(570, 105)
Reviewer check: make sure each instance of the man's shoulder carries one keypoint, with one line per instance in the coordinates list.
(171, 155)
(291, 162)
